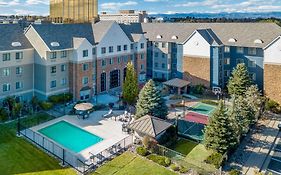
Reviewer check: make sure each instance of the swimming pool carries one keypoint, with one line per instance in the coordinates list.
(69, 136)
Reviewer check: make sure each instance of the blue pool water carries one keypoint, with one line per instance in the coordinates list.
(70, 136)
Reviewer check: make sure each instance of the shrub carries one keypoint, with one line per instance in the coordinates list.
(216, 159)
(174, 167)
(161, 160)
(234, 172)
(142, 151)
(46, 105)
(210, 102)
(60, 98)
(272, 106)
(149, 143)
(183, 169)
(198, 89)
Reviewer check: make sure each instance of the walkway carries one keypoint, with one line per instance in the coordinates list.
(253, 150)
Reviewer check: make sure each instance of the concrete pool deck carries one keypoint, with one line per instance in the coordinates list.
(106, 128)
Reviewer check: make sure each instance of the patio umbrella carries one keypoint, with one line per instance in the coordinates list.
(83, 106)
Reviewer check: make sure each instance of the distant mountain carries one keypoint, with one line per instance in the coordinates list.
(221, 15)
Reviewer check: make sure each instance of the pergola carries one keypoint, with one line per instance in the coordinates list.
(177, 83)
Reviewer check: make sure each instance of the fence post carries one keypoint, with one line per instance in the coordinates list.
(62, 156)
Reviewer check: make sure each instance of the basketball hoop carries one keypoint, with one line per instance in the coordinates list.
(216, 90)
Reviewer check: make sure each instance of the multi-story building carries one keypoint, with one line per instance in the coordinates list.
(87, 59)
(71, 11)
(125, 16)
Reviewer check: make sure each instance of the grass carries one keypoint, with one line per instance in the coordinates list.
(132, 164)
(17, 156)
(196, 154)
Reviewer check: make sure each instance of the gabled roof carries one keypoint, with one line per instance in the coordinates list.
(135, 37)
(176, 82)
(150, 126)
(10, 33)
(100, 29)
(63, 34)
(244, 33)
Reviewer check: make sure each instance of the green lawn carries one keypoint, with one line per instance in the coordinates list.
(131, 164)
(18, 156)
(195, 153)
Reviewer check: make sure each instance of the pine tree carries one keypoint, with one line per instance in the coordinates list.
(151, 102)
(130, 86)
(239, 81)
(219, 134)
(254, 101)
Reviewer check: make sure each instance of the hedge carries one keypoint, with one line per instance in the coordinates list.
(215, 159)
(142, 151)
(161, 160)
(60, 98)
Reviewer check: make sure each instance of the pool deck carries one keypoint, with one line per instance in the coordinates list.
(106, 128)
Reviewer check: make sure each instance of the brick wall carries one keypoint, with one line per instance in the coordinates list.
(272, 80)
(197, 70)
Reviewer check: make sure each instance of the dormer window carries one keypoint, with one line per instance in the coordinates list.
(174, 37)
(158, 36)
(232, 40)
(258, 41)
(55, 44)
(16, 44)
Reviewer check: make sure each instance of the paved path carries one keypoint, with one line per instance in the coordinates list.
(254, 149)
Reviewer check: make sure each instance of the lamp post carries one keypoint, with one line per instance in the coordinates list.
(18, 123)
(64, 103)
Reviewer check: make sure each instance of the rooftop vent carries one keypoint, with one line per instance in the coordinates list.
(174, 37)
(158, 36)
(258, 41)
(55, 44)
(16, 44)
(232, 40)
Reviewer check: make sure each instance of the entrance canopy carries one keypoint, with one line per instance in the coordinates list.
(176, 82)
(83, 106)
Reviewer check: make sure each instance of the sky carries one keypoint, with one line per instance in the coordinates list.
(41, 7)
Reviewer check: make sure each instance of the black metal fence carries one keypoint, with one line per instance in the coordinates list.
(70, 158)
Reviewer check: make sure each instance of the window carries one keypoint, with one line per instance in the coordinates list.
(227, 61)
(63, 67)
(142, 67)
(19, 85)
(240, 50)
(85, 80)
(6, 71)
(118, 48)
(125, 59)
(63, 81)
(142, 45)
(6, 56)
(53, 55)
(103, 63)
(132, 46)
(63, 54)
(85, 53)
(19, 70)
(85, 66)
(125, 47)
(253, 76)
(252, 63)
(103, 50)
(163, 45)
(156, 54)
(119, 60)
(114, 79)
(155, 65)
(94, 51)
(156, 44)
(163, 65)
(19, 55)
(111, 61)
(53, 84)
(53, 69)
(110, 49)
(227, 49)
(252, 51)
(239, 60)
(142, 56)
(163, 55)
(226, 73)
(6, 87)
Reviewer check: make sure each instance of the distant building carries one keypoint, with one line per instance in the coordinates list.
(69, 11)
(125, 16)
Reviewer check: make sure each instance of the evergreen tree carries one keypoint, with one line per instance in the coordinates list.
(239, 81)
(254, 101)
(151, 102)
(219, 134)
(130, 86)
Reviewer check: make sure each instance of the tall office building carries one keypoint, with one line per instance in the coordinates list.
(73, 11)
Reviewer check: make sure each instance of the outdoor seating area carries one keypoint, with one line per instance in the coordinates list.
(177, 86)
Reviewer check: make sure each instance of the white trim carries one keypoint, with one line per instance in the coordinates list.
(272, 42)
(38, 36)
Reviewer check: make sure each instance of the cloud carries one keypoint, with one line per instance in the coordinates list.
(117, 5)
(9, 3)
(34, 2)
